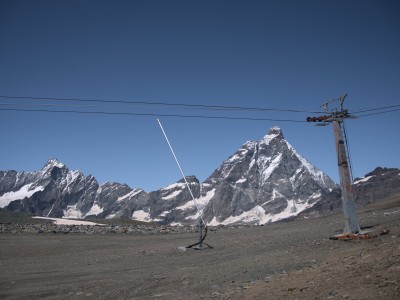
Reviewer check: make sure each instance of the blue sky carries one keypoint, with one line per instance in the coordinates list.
(267, 54)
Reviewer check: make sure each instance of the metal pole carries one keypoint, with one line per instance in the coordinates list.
(201, 228)
(349, 207)
(184, 177)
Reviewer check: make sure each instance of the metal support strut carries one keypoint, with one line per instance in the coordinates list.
(349, 206)
(337, 118)
(200, 244)
(202, 224)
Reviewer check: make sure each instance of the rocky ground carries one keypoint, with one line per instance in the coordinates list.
(48, 227)
(286, 260)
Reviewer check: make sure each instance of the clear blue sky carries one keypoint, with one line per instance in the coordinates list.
(268, 54)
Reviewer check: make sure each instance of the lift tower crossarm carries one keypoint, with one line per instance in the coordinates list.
(349, 208)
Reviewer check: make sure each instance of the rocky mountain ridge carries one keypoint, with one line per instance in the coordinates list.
(374, 186)
(263, 181)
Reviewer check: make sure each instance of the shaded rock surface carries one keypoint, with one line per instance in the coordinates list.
(263, 181)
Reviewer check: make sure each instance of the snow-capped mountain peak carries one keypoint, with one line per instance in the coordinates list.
(53, 163)
(259, 183)
(273, 133)
(270, 175)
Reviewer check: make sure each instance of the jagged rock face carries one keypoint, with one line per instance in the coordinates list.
(261, 182)
(56, 191)
(166, 205)
(376, 185)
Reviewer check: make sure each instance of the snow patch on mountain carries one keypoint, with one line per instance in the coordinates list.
(141, 215)
(95, 210)
(267, 170)
(241, 180)
(179, 185)
(72, 212)
(111, 216)
(129, 195)
(259, 216)
(164, 213)
(24, 192)
(200, 202)
(365, 179)
(59, 221)
(172, 195)
(176, 224)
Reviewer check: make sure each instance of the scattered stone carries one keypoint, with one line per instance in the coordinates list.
(16, 228)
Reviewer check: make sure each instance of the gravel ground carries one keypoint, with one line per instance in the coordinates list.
(287, 260)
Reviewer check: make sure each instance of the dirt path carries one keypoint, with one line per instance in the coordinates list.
(289, 260)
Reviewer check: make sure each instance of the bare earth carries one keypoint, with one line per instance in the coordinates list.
(288, 260)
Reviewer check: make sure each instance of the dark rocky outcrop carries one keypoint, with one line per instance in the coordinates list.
(263, 181)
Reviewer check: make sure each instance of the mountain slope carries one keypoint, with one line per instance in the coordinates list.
(261, 182)
(56, 191)
(264, 181)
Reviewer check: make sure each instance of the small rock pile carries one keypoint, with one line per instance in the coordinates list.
(46, 228)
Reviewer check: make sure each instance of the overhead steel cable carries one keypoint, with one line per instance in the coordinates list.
(210, 107)
(136, 106)
(374, 109)
(163, 105)
(53, 105)
(94, 106)
(377, 113)
(150, 114)
(71, 105)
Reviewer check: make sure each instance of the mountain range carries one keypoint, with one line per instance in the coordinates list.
(263, 181)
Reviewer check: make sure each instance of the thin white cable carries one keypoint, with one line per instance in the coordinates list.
(184, 177)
